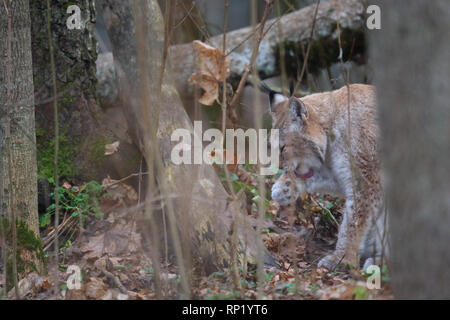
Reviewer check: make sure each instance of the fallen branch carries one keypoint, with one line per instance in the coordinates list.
(296, 27)
(49, 239)
(114, 279)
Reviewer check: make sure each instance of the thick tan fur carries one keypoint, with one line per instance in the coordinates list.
(334, 136)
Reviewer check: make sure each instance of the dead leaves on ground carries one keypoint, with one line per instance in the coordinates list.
(119, 193)
(213, 68)
(114, 265)
(286, 246)
(110, 250)
(32, 284)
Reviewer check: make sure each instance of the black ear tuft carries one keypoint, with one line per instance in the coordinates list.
(265, 88)
(298, 108)
(291, 88)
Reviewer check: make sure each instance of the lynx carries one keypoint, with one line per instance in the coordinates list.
(328, 144)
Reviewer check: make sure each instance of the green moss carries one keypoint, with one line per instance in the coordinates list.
(96, 150)
(68, 4)
(214, 114)
(133, 161)
(324, 51)
(26, 239)
(45, 155)
(66, 100)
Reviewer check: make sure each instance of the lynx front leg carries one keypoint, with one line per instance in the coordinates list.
(351, 232)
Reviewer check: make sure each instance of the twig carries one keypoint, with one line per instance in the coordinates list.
(114, 279)
(224, 94)
(235, 227)
(235, 100)
(50, 238)
(327, 210)
(305, 60)
(56, 124)
(251, 34)
(140, 15)
(185, 16)
(140, 181)
(139, 174)
(204, 32)
(349, 127)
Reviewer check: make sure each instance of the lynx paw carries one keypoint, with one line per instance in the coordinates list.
(329, 261)
(332, 260)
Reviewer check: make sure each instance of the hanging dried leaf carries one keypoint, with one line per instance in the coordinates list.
(213, 68)
(66, 185)
(112, 148)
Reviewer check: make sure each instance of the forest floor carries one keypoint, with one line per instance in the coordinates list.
(113, 265)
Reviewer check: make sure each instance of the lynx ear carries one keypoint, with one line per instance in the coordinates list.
(291, 88)
(298, 109)
(275, 97)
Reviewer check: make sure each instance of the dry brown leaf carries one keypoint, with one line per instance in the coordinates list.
(66, 185)
(120, 191)
(112, 148)
(75, 295)
(96, 288)
(32, 283)
(94, 248)
(212, 69)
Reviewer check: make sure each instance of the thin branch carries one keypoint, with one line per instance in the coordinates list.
(234, 240)
(305, 60)
(349, 129)
(235, 100)
(326, 210)
(185, 16)
(140, 16)
(114, 279)
(202, 30)
(56, 124)
(139, 174)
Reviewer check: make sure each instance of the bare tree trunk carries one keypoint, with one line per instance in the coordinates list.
(83, 132)
(411, 61)
(200, 205)
(18, 201)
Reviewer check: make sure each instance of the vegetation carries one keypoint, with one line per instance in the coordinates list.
(325, 50)
(27, 244)
(80, 203)
(131, 223)
(45, 156)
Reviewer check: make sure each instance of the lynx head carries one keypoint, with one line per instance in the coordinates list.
(302, 140)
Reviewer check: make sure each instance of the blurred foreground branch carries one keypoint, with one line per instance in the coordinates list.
(203, 230)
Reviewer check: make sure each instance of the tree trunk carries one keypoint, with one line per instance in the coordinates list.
(85, 127)
(411, 62)
(18, 194)
(200, 206)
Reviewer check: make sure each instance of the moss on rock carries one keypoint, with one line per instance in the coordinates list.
(324, 51)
